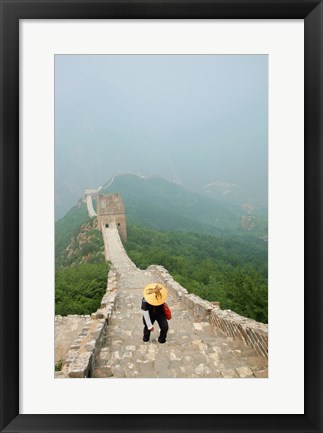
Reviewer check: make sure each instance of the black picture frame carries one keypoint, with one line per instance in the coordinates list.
(11, 12)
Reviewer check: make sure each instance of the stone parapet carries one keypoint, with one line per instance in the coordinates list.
(252, 333)
(105, 241)
(80, 356)
(231, 324)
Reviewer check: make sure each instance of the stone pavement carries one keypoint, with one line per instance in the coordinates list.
(193, 347)
(67, 328)
(90, 208)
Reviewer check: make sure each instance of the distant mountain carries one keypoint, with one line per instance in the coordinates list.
(162, 205)
(159, 204)
(248, 200)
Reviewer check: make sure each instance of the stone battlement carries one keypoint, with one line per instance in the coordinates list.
(110, 210)
(231, 324)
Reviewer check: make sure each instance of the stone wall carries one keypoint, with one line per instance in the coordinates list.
(252, 333)
(78, 361)
(86, 341)
(90, 208)
(67, 328)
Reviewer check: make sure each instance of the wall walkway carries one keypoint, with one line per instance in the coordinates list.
(90, 208)
(203, 340)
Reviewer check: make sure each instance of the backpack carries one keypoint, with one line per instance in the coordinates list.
(167, 311)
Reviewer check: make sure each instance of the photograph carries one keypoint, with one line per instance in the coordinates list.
(161, 216)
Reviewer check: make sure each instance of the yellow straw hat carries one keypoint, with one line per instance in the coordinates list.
(155, 294)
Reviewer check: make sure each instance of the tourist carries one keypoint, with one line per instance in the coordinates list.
(152, 305)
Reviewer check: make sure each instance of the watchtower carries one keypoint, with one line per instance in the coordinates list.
(110, 210)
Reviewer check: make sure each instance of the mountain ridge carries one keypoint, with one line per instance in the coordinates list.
(162, 204)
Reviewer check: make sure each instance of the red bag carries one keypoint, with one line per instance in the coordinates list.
(167, 311)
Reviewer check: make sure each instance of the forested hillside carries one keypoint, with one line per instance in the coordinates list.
(69, 226)
(80, 288)
(81, 270)
(232, 270)
(172, 227)
(162, 205)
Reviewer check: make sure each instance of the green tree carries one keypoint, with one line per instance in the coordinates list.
(80, 288)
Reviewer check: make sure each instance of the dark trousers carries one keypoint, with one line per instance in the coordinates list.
(163, 324)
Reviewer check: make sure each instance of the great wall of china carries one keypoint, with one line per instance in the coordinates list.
(203, 340)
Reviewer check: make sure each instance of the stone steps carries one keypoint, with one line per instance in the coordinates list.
(193, 348)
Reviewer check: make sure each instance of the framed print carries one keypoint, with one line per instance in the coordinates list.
(76, 74)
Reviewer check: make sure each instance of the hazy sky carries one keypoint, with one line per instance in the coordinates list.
(190, 118)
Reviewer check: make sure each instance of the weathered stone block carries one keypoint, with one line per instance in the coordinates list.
(244, 372)
(90, 346)
(261, 374)
(102, 372)
(77, 373)
(229, 374)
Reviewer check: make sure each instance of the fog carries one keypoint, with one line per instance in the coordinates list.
(193, 119)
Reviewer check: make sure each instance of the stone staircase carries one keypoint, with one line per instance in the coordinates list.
(194, 348)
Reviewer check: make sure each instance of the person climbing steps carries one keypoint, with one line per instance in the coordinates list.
(152, 306)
